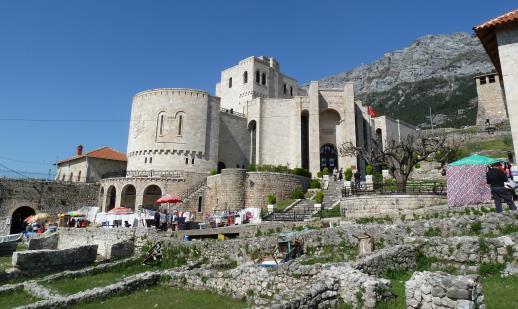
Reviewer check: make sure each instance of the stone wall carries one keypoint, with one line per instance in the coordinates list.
(102, 238)
(36, 261)
(440, 290)
(290, 285)
(236, 188)
(44, 242)
(42, 196)
(393, 206)
(234, 139)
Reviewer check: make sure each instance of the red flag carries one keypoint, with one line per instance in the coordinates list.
(371, 111)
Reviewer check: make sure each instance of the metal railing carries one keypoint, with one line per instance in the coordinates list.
(435, 188)
(232, 112)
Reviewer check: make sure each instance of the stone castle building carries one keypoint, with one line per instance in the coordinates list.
(177, 137)
(491, 103)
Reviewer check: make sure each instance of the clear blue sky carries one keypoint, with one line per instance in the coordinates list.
(85, 59)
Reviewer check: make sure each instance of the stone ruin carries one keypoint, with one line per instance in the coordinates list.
(330, 272)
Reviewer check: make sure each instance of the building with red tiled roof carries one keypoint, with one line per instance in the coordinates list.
(499, 36)
(91, 166)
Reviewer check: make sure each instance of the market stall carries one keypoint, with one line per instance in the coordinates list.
(466, 181)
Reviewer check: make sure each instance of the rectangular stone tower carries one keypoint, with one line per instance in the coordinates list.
(491, 102)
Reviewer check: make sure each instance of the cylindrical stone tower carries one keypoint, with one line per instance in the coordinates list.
(173, 130)
(232, 188)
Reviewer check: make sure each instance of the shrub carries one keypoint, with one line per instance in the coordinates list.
(213, 171)
(252, 168)
(433, 232)
(476, 227)
(417, 165)
(369, 169)
(325, 171)
(319, 197)
(272, 199)
(302, 172)
(377, 178)
(348, 174)
(319, 174)
(297, 194)
(315, 184)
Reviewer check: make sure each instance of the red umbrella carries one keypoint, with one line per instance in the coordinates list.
(121, 211)
(169, 199)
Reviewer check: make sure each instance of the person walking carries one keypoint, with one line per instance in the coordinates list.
(357, 179)
(157, 220)
(341, 174)
(495, 177)
(335, 173)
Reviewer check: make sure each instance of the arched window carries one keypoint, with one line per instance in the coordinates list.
(257, 76)
(285, 89)
(230, 82)
(63, 179)
(161, 125)
(79, 176)
(291, 90)
(145, 160)
(151, 160)
(245, 77)
(180, 124)
(71, 177)
(186, 160)
(199, 203)
(263, 79)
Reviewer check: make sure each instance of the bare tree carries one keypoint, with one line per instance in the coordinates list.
(402, 156)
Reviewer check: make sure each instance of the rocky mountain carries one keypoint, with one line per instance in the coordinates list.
(435, 71)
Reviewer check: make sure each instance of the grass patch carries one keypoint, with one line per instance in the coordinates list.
(68, 286)
(397, 280)
(163, 296)
(330, 254)
(500, 292)
(282, 205)
(5, 263)
(329, 213)
(16, 299)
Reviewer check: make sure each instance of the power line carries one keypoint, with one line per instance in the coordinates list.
(25, 162)
(14, 171)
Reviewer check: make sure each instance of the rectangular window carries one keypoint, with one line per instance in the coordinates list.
(151, 160)
(186, 160)
(145, 160)
(192, 161)
(483, 80)
(492, 79)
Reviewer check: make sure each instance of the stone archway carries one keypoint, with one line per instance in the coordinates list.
(128, 196)
(252, 129)
(151, 194)
(20, 214)
(111, 197)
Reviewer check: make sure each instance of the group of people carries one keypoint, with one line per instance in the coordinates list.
(34, 228)
(338, 174)
(499, 177)
(164, 220)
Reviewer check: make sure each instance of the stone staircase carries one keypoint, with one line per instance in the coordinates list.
(301, 211)
(332, 194)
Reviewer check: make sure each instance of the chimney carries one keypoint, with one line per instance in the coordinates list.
(79, 150)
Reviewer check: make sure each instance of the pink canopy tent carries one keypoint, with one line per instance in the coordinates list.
(467, 181)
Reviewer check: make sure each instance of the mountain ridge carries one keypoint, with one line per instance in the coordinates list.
(433, 71)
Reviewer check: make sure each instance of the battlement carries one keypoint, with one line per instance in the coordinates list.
(171, 91)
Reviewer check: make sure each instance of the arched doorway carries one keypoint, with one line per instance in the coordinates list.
(151, 194)
(111, 195)
(221, 166)
(252, 129)
(304, 139)
(17, 218)
(328, 157)
(128, 196)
